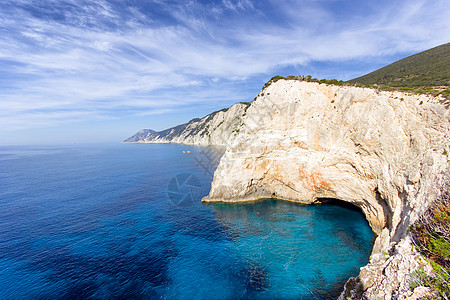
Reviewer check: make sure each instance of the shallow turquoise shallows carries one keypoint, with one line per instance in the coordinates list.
(126, 221)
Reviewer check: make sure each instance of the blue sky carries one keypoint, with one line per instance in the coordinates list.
(86, 71)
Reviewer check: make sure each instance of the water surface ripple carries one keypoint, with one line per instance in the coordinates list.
(114, 221)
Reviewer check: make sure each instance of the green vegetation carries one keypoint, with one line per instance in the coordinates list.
(432, 238)
(273, 79)
(438, 282)
(307, 78)
(427, 68)
(427, 72)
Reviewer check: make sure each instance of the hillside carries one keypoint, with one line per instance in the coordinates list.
(425, 69)
(141, 134)
(217, 128)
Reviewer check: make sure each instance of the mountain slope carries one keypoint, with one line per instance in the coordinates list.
(424, 69)
(217, 128)
(141, 134)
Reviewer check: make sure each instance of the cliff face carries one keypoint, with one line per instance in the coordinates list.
(385, 152)
(218, 128)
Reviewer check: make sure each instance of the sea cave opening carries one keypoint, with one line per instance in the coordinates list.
(338, 202)
(346, 205)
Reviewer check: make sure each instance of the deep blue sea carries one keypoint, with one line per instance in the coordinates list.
(126, 221)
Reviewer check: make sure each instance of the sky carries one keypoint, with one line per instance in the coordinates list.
(76, 71)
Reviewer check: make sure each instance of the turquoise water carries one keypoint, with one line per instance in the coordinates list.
(126, 221)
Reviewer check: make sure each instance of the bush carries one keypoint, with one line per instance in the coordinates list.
(431, 235)
(432, 231)
(438, 282)
(273, 79)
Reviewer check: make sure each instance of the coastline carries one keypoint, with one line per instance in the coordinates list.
(384, 152)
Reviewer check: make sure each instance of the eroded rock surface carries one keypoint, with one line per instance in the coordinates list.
(388, 275)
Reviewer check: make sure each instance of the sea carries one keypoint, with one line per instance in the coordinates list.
(126, 221)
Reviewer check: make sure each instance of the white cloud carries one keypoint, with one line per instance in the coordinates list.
(103, 57)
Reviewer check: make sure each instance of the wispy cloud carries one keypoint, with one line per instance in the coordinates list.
(101, 58)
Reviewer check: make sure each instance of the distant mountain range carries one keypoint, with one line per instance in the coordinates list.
(424, 69)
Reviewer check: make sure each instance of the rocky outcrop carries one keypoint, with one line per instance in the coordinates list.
(385, 152)
(388, 275)
(217, 128)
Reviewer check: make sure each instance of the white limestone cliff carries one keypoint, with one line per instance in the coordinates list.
(217, 128)
(385, 152)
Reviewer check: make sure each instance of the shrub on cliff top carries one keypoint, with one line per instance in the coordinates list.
(432, 231)
(307, 78)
